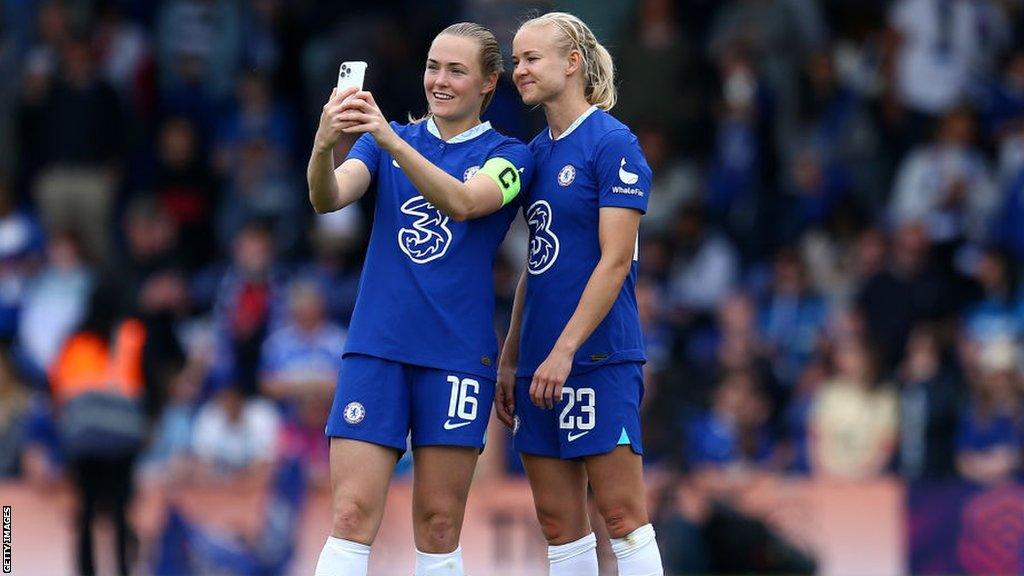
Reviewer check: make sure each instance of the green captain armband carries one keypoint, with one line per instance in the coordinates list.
(505, 175)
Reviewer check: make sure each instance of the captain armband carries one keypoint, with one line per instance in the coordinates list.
(505, 175)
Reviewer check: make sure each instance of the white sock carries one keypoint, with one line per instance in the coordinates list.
(638, 553)
(577, 558)
(449, 564)
(343, 558)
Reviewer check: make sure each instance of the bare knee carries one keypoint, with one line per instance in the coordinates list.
(562, 527)
(353, 520)
(439, 531)
(621, 518)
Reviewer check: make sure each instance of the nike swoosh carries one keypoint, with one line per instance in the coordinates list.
(449, 425)
(573, 436)
(395, 163)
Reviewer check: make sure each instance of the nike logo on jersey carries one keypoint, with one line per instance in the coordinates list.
(626, 176)
(395, 163)
(449, 425)
(573, 436)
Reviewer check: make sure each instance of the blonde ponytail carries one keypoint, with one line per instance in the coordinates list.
(598, 67)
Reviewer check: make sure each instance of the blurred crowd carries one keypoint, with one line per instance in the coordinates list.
(830, 268)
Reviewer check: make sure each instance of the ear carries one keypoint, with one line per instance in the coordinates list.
(490, 83)
(574, 62)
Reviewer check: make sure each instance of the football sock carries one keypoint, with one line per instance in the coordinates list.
(343, 558)
(578, 558)
(638, 553)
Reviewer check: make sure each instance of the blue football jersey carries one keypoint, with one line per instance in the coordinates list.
(426, 295)
(596, 163)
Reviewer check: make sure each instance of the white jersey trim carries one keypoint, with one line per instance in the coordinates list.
(467, 135)
(574, 124)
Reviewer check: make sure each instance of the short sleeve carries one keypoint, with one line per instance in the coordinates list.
(366, 150)
(520, 157)
(623, 176)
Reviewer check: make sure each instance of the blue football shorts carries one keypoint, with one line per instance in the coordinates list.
(386, 402)
(599, 410)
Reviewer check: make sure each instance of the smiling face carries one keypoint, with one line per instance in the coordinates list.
(540, 71)
(454, 83)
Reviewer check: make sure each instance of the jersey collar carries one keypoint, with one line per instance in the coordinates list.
(467, 135)
(575, 124)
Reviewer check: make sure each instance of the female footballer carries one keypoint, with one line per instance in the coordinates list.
(420, 356)
(570, 378)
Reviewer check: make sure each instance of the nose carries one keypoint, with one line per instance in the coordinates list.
(519, 71)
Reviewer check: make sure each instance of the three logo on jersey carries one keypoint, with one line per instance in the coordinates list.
(544, 244)
(429, 237)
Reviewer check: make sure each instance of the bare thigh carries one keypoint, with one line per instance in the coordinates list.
(441, 480)
(559, 496)
(617, 479)
(360, 474)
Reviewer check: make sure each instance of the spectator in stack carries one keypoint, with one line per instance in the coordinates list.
(659, 65)
(834, 122)
(254, 113)
(930, 397)
(126, 60)
(704, 268)
(1007, 231)
(168, 459)
(81, 125)
(734, 343)
(54, 302)
(814, 188)
(792, 318)
(940, 50)
(1004, 115)
(302, 358)
(675, 182)
(198, 42)
(741, 177)
(778, 33)
(999, 312)
(97, 380)
(260, 186)
(336, 241)
(154, 283)
(14, 405)
(854, 421)
(733, 432)
(235, 437)
(21, 242)
(989, 432)
(248, 303)
(908, 290)
(947, 184)
(187, 189)
(795, 418)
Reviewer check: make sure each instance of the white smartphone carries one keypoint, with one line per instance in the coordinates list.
(351, 74)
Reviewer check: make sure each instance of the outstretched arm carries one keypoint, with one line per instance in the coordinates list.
(331, 189)
(497, 183)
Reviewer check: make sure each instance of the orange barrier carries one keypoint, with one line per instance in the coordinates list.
(853, 528)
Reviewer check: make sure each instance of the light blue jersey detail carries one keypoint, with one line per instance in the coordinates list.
(624, 438)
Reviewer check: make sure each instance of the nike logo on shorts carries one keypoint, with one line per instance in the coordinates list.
(449, 425)
(577, 435)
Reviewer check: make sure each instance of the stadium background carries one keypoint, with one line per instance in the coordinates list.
(830, 274)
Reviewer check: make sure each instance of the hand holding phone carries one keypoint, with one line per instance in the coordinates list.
(351, 75)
